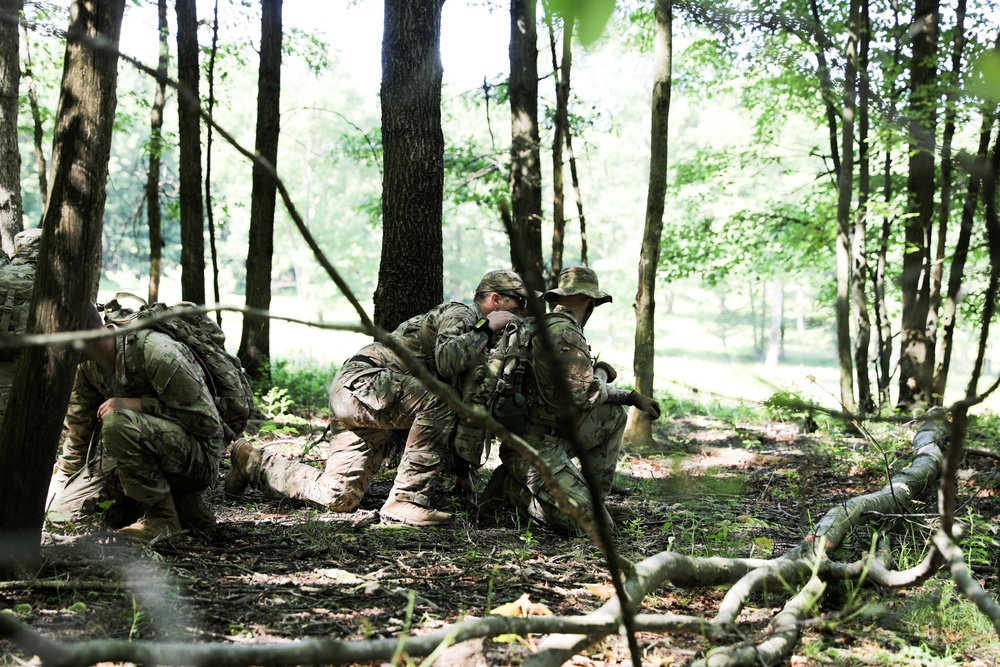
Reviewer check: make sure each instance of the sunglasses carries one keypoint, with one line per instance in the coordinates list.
(521, 301)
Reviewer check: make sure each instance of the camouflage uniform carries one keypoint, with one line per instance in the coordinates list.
(373, 394)
(600, 431)
(174, 444)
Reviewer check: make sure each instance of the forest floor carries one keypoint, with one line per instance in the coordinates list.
(272, 571)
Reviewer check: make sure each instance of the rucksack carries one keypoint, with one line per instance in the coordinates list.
(17, 280)
(227, 381)
(497, 385)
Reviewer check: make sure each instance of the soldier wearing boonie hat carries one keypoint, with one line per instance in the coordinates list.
(602, 423)
(375, 393)
(575, 280)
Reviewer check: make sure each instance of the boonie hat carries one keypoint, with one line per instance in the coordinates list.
(502, 281)
(577, 280)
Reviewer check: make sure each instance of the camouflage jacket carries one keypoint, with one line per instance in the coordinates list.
(148, 365)
(571, 347)
(442, 338)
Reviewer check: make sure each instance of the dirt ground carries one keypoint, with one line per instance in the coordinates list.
(272, 571)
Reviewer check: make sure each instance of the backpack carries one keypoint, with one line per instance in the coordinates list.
(497, 385)
(17, 280)
(227, 381)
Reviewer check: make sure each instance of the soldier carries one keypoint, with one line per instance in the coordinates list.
(602, 416)
(143, 395)
(373, 394)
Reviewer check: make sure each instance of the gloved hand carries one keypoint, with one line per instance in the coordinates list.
(465, 486)
(499, 319)
(645, 403)
(609, 371)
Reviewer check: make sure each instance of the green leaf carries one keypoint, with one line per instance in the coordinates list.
(592, 16)
(985, 79)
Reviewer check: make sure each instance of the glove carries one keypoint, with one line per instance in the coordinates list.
(609, 370)
(645, 403)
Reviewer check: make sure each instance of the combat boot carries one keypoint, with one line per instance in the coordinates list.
(159, 520)
(414, 515)
(244, 457)
(194, 512)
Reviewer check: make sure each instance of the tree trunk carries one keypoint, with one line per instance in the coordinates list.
(255, 346)
(411, 269)
(961, 254)
(859, 254)
(11, 212)
(944, 211)
(155, 147)
(561, 78)
(525, 161)
(916, 357)
(845, 186)
(639, 428)
(36, 122)
(209, 217)
(884, 324)
(775, 338)
(189, 140)
(72, 233)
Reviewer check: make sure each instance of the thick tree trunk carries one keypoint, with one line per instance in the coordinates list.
(255, 346)
(36, 122)
(411, 269)
(189, 140)
(155, 146)
(11, 212)
(775, 336)
(525, 160)
(916, 357)
(639, 428)
(845, 185)
(71, 233)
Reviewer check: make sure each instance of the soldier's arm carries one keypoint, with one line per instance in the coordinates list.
(79, 425)
(458, 347)
(181, 393)
(589, 390)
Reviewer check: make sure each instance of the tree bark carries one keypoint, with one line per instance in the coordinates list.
(916, 357)
(825, 86)
(411, 269)
(11, 211)
(154, 217)
(638, 431)
(255, 345)
(72, 236)
(189, 140)
(845, 186)
(525, 160)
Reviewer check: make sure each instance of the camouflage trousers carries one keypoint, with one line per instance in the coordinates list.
(350, 467)
(146, 457)
(373, 401)
(524, 488)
